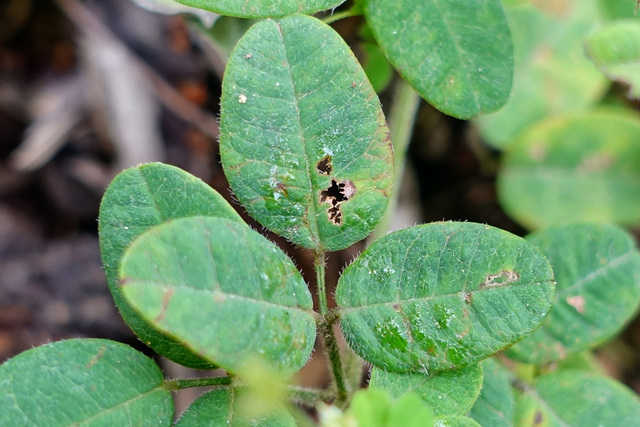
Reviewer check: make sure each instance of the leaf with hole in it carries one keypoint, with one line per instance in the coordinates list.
(615, 49)
(222, 290)
(303, 139)
(449, 393)
(495, 405)
(138, 199)
(597, 269)
(228, 406)
(456, 54)
(577, 399)
(83, 382)
(442, 296)
(552, 75)
(262, 8)
(577, 168)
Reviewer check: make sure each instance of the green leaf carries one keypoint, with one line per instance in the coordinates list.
(262, 8)
(442, 296)
(577, 168)
(374, 408)
(444, 50)
(303, 139)
(619, 9)
(597, 269)
(552, 74)
(457, 421)
(224, 291)
(138, 199)
(89, 382)
(615, 49)
(224, 406)
(449, 393)
(495, 405)
(575, 398)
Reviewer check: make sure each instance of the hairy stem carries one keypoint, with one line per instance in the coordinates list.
(196, 382)
(401, 121)
(326, 329)
(354, 11)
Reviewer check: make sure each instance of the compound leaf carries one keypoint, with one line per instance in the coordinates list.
(449, 393)
(223, 290)
(303, 139)
(138, 199)
(577, 399)
(442, 296)
(615, 49)
(597, 269)
(91, 382)
(445, 50)
(582, 167)
(262, 8)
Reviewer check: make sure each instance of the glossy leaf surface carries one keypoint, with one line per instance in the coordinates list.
(495, 406)
(224, 291)
(577, 168)
(89, 382)
(444, 50)
(449, 393)
(577, 399)
(597, 269)
(615, 49)
(262, 8)
(138, 199)
(303, 139)
(224, 407)
(552, 74)
(442, 296)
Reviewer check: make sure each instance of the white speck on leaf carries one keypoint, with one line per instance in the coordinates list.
(242, 99)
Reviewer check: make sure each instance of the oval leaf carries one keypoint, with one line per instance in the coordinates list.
(495, 406)
(140, 198)
(442, 296)
(597, 268)
(578, 168)
(262, 8)
(303, 139)
(375, 408)
(224, 407)
(449, 393)
(443, 49)
(223, 290)
(552, 74)
(577, 399)
(83, 382)
(615, 49)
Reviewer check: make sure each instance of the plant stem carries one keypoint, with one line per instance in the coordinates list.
(354, 11)
(401, 120)
(196, 382)
(326, 328)
(307, 396)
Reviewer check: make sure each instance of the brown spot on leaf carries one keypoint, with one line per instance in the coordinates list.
(538, 418)
(94, 359)
(324, 166)
(248, 55)
(165, 302)
(577, 302)
(334, 195)
(467, 297)
(503, 278)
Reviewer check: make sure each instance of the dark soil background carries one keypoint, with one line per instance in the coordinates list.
(66, 131)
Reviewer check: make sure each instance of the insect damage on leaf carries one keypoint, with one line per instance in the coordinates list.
(338, 192)
(503, 278)
(324, 166)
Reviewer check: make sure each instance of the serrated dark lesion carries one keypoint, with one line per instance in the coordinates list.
(334, 195)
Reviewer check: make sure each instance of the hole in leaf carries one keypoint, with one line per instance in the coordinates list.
(337, 193)
(503, 278)
(324, 166)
